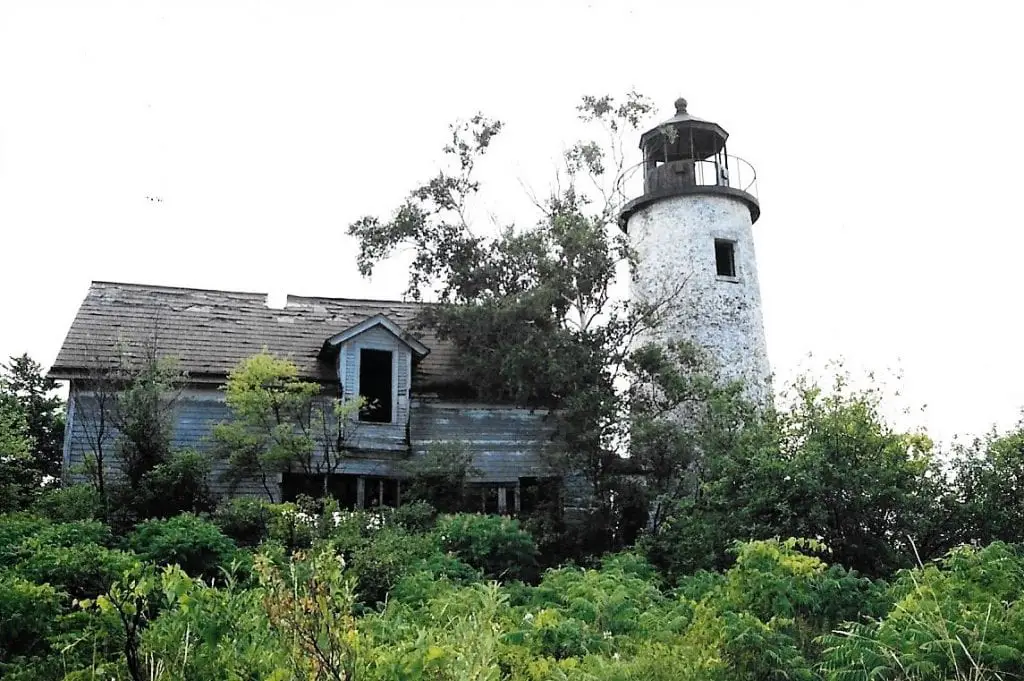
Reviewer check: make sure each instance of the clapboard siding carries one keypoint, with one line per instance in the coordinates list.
(195, 414)
(392, 436)
(507, 443)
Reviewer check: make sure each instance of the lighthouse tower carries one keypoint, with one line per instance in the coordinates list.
(692, 232)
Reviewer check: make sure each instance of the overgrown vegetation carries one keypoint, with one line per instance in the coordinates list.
(281, 423)
(373, 598)
(911, 567)
(804, 540)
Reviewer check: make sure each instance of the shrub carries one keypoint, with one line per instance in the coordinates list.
(82, 571)
(388, 556)
(494, 544)
(958, 618)
(68, 504)
(197, 545)
(27, 613)
(15, 528)
(246, 520)
(179, 485)
(418, 516)
(431, 576)
(75, 533)
(291, 527)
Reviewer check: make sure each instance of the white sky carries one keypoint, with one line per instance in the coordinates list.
(886, 136)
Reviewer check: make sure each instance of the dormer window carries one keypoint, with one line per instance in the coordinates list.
(375, 360)
(376, 385)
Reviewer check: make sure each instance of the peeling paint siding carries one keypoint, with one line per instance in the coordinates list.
(195, 414)
(675, 241)
(391, 437)
(506, 443)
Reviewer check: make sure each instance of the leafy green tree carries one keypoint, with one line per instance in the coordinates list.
(144, 418)
(22, 378)
(532, 309)
(20, 477)
(988, 484)
(125, 415)
(281, 423)
(825, 466)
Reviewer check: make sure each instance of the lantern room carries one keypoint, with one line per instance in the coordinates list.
(689, 155)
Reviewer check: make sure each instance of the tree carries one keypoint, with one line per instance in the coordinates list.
(988, 484)
(532, 309)
(20, 478)
(22, 378)
(125, 414)
(280, 423)
(825, 466)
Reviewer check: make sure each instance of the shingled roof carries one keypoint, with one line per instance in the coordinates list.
(211, 331)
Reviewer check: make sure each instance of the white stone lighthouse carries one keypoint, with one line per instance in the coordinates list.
(692, 231)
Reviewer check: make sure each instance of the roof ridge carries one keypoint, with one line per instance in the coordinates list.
(172, 288)
(290, 296)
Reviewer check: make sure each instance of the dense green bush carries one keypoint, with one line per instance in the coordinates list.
(293, 527)
(383, 560)
(28, 612)
(82, 571)
(767, 617)
(74, 533)
(417, 516)
(959, 618)
(14, 529)
(245, 519)
(67, 504)
(177, 485)
(197, 545)
(74, 557)
(494, 544)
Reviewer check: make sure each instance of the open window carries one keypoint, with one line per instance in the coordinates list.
(725, 258)
(376, 385)
(380, 492)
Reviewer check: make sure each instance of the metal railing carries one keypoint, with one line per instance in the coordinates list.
(721, 171)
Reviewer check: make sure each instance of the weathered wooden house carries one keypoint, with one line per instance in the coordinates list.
(350, 347)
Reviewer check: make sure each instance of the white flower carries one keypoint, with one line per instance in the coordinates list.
(607, 634)
(336, 516)
(787, 478)
(528, 617)
(615, 656)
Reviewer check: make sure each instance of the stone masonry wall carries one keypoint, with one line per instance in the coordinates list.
(675, 240)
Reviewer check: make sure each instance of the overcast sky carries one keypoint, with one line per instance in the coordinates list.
(228, 144)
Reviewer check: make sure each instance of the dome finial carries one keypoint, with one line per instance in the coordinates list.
(680, 106)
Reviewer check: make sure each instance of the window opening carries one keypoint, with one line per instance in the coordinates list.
(341, 487)
(381, 492)
(375, 380)
(539, 494)
(725, 258)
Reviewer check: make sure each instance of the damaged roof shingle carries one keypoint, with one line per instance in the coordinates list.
(211, 331)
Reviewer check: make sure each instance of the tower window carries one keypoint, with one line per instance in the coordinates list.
(725, 258)
(375, 382)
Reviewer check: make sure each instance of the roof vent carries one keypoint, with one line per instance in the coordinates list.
(277, 300)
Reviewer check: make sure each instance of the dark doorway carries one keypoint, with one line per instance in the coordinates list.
(375, 385)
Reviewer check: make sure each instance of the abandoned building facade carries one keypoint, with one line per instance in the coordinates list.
(350, 347)
(692, 225)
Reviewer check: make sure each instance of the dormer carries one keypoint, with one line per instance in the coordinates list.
(375, 359)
